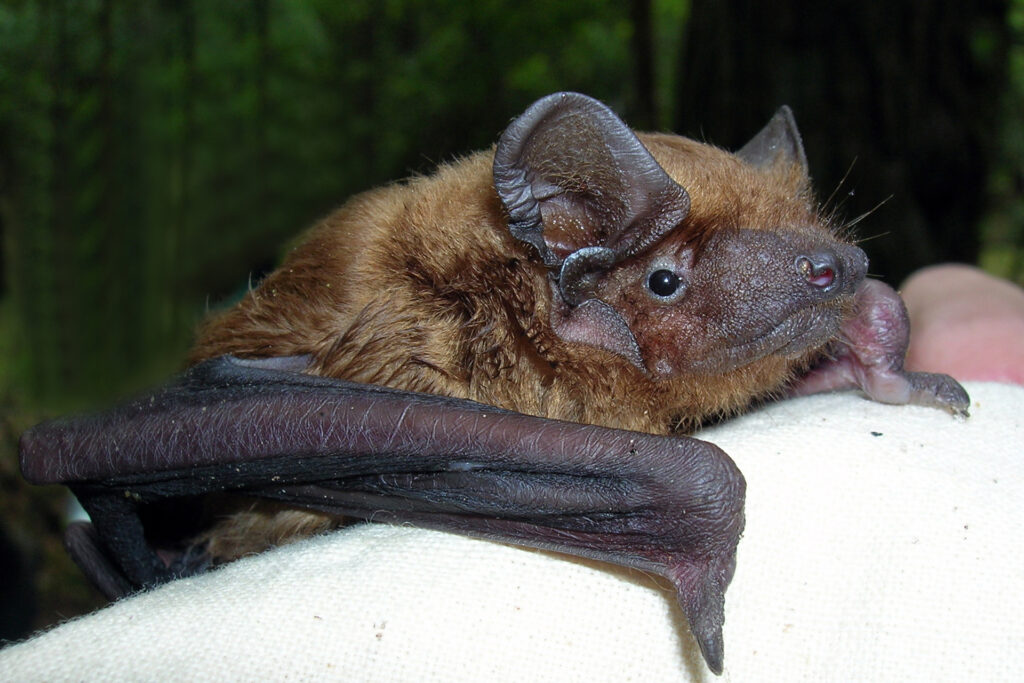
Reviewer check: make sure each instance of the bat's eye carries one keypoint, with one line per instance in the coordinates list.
(663, 283)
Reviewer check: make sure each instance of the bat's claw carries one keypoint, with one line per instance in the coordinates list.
(939, 391)
(701, 593)
(929, 389)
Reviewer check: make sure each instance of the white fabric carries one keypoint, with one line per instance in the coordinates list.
(882, 543)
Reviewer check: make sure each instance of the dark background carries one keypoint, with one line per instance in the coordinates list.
(157, 155)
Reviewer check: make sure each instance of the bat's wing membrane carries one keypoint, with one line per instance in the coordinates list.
(673, 506)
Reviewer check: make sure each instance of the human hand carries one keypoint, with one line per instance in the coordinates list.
(966, 323)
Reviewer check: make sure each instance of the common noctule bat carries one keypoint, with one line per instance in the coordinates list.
(512, 348)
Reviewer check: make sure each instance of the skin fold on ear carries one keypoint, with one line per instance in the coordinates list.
(597, 324)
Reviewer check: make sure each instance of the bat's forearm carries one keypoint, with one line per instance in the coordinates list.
(673, 506)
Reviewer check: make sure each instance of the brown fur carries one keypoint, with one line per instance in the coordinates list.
(420, 286)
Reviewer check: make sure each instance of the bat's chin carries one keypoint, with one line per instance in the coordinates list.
(806, 330)
(802, 331)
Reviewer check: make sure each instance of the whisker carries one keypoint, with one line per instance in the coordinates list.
(867, 213)
(862, 240)
(839, 185)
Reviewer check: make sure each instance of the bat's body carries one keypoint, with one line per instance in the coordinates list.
(422, 287)
(577, 281)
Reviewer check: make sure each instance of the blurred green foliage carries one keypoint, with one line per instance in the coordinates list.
(1002, 226)
(156, 154)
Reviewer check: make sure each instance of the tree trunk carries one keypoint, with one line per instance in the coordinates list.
(643, 61)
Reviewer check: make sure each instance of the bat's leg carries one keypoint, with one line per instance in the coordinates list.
(113, 551)
(869, 356)
(87, 549)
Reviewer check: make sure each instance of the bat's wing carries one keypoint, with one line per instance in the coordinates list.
(672, 506)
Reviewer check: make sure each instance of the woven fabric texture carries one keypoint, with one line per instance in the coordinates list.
(882, 543)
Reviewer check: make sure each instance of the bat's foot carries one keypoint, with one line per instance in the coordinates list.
(869, 356)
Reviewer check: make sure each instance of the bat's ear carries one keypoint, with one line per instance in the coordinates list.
(778, 142)
(580, 187)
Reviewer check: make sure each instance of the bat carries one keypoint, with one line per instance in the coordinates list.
(514, 348)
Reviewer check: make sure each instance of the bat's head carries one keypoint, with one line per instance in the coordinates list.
(682, 258)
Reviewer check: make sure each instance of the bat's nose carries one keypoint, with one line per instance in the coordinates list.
(820, 270)
(833, 269)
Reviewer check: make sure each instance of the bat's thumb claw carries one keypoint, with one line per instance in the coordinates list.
(701, 592)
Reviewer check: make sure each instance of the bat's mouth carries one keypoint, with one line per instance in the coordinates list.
(807, 329)
(801, 331)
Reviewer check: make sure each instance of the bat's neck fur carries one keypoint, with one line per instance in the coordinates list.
(420, 286)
